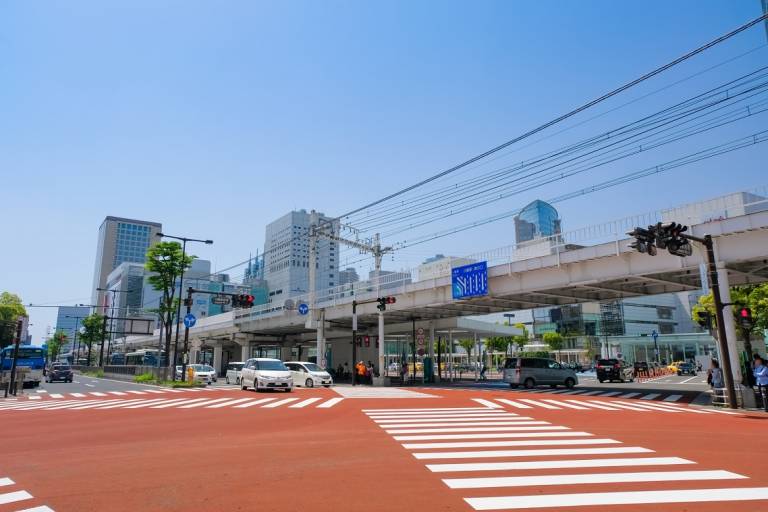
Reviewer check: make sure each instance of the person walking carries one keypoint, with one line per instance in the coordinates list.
(403, 371)
(715, 376)
(761, 376)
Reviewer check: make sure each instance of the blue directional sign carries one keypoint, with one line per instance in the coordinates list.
(470, 280)
(303, 309)
(190, 321)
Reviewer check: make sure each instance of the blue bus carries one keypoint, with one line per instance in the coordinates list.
(30, 356)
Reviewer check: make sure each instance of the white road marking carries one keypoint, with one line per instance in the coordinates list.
(431, 415)
(514, 403)
(154, 390)
(56, 395)
(439, 409)
(41, 508)
(540, 403)
(673, 398)
(205, 401)
(254, 402)
(628, 395)
(34, 397)
(688, 380)
(564, 403)
(530, 453)
(558, 464)
(116, 404)
(436, 413)
(177, 401)
(279, 403)
(610, 393)
(305, 403)
(590, 393)
(330, 403)
(136, 392)
(90, 385)
(589, 478)
(503, 435)
(120, 393)
(78, 395)
(618, 498)
(12, 497)
(476, 429)
(467, 424)
(6, 481)
(42, 391)
(479, 419)
(487, 403)
(632, 407)
(499, 444)
(650, 396)
(592, 403)
(574, 392)
(226, 404)
(98, 393)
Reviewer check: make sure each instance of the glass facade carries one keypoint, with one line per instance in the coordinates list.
(537, 220)
(132, 243)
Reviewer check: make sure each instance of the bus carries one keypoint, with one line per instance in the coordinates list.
(29, 356)
(143, 357)
(117, 359)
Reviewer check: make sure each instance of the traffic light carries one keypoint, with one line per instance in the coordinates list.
(644, 240)
(383, 301)
(745, 319)
(247, 301)
(242, 301)
(367, 341)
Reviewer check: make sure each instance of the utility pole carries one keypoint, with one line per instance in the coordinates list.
(378, 252)
(12, 383)
(103, 337)
(185, 356)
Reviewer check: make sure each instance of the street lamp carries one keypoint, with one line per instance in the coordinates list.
(75, 354)
(184, 241)
(111, 319)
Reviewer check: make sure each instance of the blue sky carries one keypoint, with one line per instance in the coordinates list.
(216, 117)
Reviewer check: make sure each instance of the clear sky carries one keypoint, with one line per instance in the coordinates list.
(214, 118)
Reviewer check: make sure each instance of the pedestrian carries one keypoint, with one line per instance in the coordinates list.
(761, 376)
(403, 371)
(482, 372)
(346, 370)
(715, 376)
(360, 367)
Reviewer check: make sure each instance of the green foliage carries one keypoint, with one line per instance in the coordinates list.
(54, 343)
(554, 340)
(467, 345)
(93, 373)
(144, 377)
(167, 262)
(92, 332)
(538, 353)
(11, 309)
(498, 343)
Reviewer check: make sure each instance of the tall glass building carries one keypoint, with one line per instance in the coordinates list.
(537, 220)
(120, 241)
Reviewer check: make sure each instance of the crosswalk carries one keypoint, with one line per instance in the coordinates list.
(13, 497)
(171, 403)
(594, 405)
(43, 393)
(672, 397)
(473, 441)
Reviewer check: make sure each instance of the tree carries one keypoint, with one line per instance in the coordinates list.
(54, 343)
(467, 345)
(498, 343)
(11, 309)
(555, 341)
(167, 262)
(92, 332)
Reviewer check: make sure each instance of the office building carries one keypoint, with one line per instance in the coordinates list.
(68, 321)
(536, 220)
(120, 240)
(348, 276)
(286, 256)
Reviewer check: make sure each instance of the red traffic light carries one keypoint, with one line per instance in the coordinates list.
(391, 300)
(745, 313)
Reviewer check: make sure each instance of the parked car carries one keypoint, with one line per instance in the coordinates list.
(641, 366)
(308, 374)
(534, 371)
(265, 373)
(233, 373)
(614, 369)
(200, 372)
(686, 369)
(59, 371)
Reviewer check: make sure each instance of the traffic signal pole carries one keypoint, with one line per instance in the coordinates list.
(12, 383)
(185, 356)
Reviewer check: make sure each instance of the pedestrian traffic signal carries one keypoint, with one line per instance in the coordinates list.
(644, 240)
(704, 319)
(745, 319)
(383, 301)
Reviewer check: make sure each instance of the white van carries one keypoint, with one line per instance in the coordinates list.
(233, 372)
(265, 373)
(308, 374)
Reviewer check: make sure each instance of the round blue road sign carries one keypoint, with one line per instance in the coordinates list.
(303, 309)
(189, 321)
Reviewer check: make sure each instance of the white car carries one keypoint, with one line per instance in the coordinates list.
(233, 372)
(266, 373)
(201, 373)
(309, 374)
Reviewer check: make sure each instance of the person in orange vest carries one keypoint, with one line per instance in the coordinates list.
(360, 372)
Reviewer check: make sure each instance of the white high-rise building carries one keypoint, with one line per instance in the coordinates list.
(286, 256)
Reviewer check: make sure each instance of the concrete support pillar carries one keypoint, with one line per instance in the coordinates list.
(321, 360)
(730, 326)
(217, 360)
(245, 351)
(431, 350)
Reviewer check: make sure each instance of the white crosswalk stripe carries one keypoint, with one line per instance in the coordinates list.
(650, 396)
(514, 403)
(673, 398)
(16, 496)
(78, 395)
(591, 405)
(550, 447)
(305, 403)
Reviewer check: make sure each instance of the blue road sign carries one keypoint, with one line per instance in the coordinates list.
(654, 335)
(470, 280)
(190, 321)
(303, 309)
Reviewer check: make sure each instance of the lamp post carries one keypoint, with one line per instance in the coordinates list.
(111, 315)
(75, 354)
(184, 241)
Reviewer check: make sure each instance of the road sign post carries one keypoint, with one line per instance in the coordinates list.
(189, 322)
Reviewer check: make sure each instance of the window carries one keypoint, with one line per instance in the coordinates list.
(664, 313)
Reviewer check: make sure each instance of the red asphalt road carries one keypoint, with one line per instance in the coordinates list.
(286, 459)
